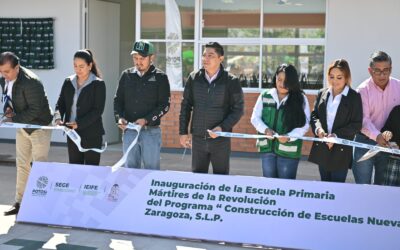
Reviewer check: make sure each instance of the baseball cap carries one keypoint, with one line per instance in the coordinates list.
(144, 48)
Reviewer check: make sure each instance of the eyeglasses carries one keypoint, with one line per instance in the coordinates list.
(383, 72)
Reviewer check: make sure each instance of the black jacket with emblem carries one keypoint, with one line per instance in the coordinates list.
(347, 123)
(145, 97)
(29, 100)
(217, 104)
(89, 107)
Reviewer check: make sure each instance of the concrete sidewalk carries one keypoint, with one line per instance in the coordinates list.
(29, 237)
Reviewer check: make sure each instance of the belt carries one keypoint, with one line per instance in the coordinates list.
(150, 127)
(203, 137)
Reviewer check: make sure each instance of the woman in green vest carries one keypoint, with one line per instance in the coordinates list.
(284, 111)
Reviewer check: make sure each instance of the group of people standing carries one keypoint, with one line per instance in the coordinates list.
(212, 101)
(368, 115)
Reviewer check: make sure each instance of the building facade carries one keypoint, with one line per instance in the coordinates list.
(257, 35)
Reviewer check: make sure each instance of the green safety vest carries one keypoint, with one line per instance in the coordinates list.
(273, 118)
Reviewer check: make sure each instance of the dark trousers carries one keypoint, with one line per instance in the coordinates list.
(87, 158)
(363, 170)
(206, 150)
(332, 176)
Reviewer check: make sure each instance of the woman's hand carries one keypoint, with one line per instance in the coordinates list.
(321, 133)
(269, 132)
(58, 122)
(283, 139)
(330, 144)
(72, 125)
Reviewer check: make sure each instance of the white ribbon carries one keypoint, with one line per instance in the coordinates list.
(122, 161)
(72, 134)
(335, 140)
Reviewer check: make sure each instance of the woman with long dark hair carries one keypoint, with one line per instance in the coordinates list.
(283, 111)
(80, 106)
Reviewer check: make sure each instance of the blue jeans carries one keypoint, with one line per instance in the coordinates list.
(275, 166)
(147, 148)
(363, 170)
(332, 176)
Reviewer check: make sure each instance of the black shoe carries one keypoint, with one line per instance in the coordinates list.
(13, 210)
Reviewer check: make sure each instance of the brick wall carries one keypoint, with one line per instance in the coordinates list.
(170, 125)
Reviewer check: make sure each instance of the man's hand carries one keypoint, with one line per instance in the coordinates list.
(216, 129)
(387, 135)
(6, 119)
(122, 123)
(381, 141)
(142, 122)
(72, 125)
(9, 113)
(185, 141)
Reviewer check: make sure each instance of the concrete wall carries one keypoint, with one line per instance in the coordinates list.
(357, 28)
(66, 42)
(67, 39)
(127, 31)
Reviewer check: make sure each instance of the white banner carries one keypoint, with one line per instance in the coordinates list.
(237, 209)
(173, 31)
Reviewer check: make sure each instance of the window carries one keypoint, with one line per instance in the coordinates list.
(187, 56)
(31, 39)
(257, 35)
(242, 61)
(308, 60)
(294, 19)
(231, 18)
(153, 19)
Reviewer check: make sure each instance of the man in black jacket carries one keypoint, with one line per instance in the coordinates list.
(216, 99)
(142, 97)
(25, 101)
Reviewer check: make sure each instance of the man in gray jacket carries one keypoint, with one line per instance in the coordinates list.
(24, 101)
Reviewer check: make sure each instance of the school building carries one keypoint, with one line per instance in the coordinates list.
(257, 35)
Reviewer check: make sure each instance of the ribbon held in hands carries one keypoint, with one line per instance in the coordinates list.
(373, 149)
(72, 134)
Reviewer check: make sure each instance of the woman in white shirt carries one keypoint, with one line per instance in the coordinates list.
(283, 111)
(337, 113)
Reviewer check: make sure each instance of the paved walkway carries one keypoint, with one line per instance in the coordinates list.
(29, 237)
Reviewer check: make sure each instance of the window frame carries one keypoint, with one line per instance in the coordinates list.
(199, 41)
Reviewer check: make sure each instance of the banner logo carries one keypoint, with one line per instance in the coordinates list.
(90, 189)
(114, 193)
(41, 184)
(140, 46)
(63, 187)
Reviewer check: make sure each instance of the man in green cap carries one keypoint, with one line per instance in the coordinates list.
(142, 97)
